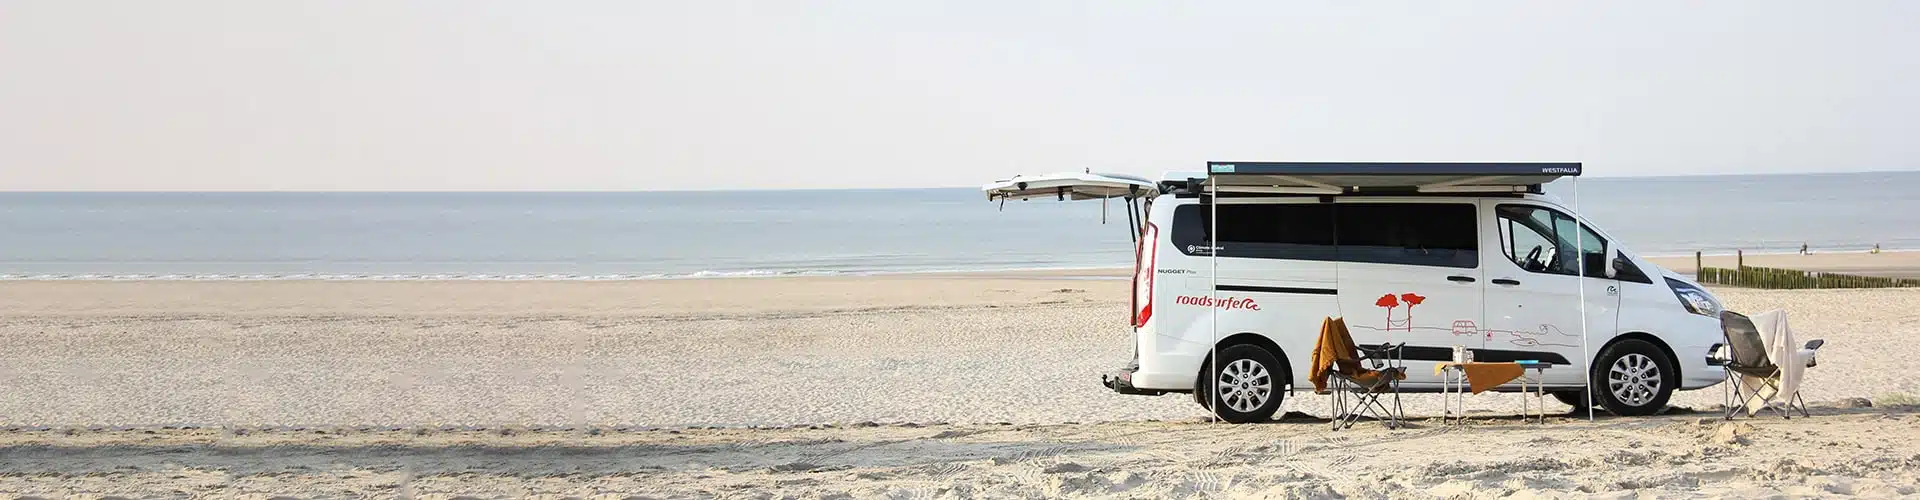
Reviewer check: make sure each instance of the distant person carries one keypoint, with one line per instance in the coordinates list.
(1803, 249)
(1876, 248)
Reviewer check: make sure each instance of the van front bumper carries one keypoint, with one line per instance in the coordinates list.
(1701, 370)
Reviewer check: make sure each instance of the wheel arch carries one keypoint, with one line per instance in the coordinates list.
(1672, 358)
(1253, 339)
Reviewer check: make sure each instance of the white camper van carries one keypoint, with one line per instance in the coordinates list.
(1245, 260)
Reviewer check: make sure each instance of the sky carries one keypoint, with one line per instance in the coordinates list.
(189, 95)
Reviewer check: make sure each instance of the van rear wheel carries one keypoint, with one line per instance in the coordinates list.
(1243, 385)
(1633, 378)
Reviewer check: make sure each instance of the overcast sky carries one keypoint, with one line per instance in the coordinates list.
(619, 95)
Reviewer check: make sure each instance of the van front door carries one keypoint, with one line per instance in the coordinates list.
(1534, 290)
(1410, 273)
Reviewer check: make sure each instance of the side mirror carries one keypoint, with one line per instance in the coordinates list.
(1613, 262)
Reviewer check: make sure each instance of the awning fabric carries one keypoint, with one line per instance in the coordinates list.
(1349, 178)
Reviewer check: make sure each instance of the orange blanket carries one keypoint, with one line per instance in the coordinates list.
(1335, 352)
(1483, 376)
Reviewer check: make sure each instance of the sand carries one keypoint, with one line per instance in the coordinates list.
(946, 385)
(728, 352)
(1838, 452)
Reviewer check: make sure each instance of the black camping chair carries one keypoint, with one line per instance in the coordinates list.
(1359, 394)
(1745, 355)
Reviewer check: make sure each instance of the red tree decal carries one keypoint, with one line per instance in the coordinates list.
(1412, 299)
(1388, 301)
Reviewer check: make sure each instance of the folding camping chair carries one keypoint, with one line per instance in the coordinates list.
(1754, 380)
(1357, 392)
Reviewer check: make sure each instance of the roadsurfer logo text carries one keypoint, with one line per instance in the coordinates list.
(1228, 303)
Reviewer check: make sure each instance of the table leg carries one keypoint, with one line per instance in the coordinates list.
(1542, 373)
(1458, 397)
(1460, 392)
(1524, 410)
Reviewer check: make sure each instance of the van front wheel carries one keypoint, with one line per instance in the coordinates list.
(1633, 378)
(1243, 385)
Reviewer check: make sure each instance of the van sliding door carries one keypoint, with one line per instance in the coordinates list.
(1409, 272)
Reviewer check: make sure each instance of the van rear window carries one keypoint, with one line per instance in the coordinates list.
(1301, 231)
(1424, 234)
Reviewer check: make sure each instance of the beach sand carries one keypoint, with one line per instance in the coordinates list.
(930, 385)
(1884, 264)
(1838, 452)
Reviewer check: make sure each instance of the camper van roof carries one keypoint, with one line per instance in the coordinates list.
(1351, 178)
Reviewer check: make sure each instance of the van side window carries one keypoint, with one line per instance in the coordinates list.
(1542, 240)
(1419, 234)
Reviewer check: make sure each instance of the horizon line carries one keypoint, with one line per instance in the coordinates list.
(713, 190)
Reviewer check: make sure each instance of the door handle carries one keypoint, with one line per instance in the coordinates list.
(1460, 279)
(1506, 281)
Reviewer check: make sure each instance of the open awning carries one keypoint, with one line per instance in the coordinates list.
(1349, 178)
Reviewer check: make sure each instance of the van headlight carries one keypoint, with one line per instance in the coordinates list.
(1696, 300)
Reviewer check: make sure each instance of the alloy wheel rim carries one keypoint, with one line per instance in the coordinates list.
(1244, 385)
(1634, 379)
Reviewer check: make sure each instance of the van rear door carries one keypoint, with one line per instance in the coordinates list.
(1073, 186)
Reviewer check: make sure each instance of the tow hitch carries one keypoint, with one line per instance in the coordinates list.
(1122, 382)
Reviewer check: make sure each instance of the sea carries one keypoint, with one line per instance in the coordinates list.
(670, 235)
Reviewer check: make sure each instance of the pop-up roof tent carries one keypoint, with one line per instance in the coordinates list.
(1227, 178)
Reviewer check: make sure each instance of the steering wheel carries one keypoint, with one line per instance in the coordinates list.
(1533, 262)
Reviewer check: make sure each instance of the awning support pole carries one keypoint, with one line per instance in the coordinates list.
(1213, 291)
(1579, 243)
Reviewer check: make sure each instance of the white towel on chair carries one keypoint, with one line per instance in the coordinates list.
(1777, 338)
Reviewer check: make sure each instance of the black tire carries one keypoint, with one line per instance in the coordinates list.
(1632, 378)
(1240, 403)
